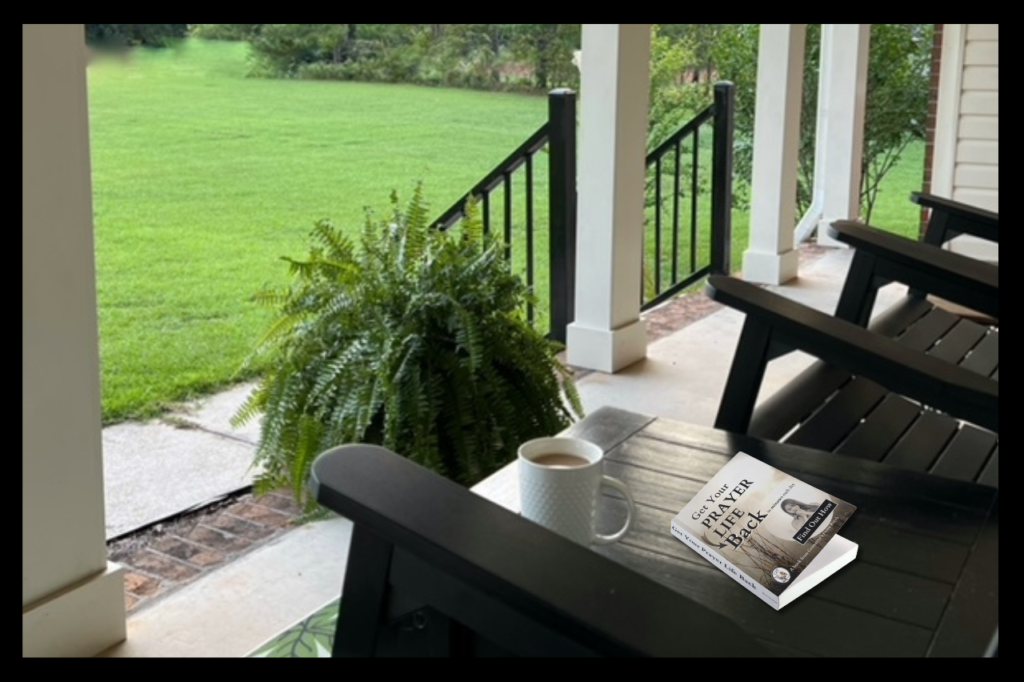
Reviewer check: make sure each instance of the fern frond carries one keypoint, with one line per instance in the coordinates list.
(272, 298)
(472, 225)
(411, 338)
(339, 247)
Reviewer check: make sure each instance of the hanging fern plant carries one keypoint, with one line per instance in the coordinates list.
(416, 340)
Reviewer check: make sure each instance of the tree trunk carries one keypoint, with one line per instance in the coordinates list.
(350, 41)
(542, 64)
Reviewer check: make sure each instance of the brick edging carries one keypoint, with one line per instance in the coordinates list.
(161, 559)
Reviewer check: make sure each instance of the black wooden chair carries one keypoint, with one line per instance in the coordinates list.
(881, 257)
(951, 310)
(436, 570)
(949, 219)
(917, 388)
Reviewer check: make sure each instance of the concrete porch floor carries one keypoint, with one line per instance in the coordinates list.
(684, 373)
(235, 609)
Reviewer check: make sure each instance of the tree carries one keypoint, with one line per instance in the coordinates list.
(125, 35)
(897, 98)
(898, 91)
(224, 31)
(463, 54)
(548, 49)
(734, 57)
(701, 40)
(673, 103)
(467, 55)
(283, 48)
(896, 110)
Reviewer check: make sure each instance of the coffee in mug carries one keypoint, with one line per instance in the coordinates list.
(560, 481)
(560, 460)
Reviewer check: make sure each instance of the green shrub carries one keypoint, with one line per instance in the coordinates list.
(224, 31)
(325, 72)
(129, 35)
(395, 66)
(280, 49)
(417, 340)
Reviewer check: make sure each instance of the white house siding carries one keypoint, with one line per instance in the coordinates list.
(976, 179)
(966, 165)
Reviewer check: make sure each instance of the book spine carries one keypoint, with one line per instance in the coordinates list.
(725, 566)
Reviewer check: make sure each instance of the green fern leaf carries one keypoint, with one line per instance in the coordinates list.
(412, 338)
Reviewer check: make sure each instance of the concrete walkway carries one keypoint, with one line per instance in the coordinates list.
(234, 610)
(183, 460)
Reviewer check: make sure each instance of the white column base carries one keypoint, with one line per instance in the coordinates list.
(606, 350)
(825, 240)
(770, 268)
(81, 620)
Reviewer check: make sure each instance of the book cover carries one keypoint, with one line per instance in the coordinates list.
(769, 531)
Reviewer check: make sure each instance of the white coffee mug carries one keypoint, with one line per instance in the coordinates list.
(564, 499)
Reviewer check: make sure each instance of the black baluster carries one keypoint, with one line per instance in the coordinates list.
(694, 192)
(529, 234)
(487, 212)
(721, 184)
(675, 215)
(508, 216)
(657, 226)
(562, 179)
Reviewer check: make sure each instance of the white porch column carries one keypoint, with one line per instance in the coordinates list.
(771, 258)
(608, 334)
(844, 89)
(72, 599)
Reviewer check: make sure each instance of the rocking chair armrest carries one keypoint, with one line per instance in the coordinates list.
(953, 276)
(940, 384)
(960, 218)
(518, 566)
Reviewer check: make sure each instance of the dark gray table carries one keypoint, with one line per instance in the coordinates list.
(925, 581)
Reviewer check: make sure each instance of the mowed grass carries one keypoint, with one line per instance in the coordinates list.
(894, 211)
(203, 179)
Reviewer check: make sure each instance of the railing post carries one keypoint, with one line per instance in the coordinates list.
(562, 210)
(721, 179)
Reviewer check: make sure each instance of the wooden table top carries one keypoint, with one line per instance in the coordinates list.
(925, 581)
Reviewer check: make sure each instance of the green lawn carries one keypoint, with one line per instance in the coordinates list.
(203, 179)
(894, 211)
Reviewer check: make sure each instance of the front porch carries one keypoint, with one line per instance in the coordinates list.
(235, 609)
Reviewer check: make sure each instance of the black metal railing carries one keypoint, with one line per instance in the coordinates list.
(681, 247)
(683, 243)
(496, 193)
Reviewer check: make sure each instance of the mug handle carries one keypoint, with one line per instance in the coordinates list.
(630, 511)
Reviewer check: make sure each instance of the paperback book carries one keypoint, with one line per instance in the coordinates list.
(772, 533)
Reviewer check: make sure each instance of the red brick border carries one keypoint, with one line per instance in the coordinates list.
(170, 555)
